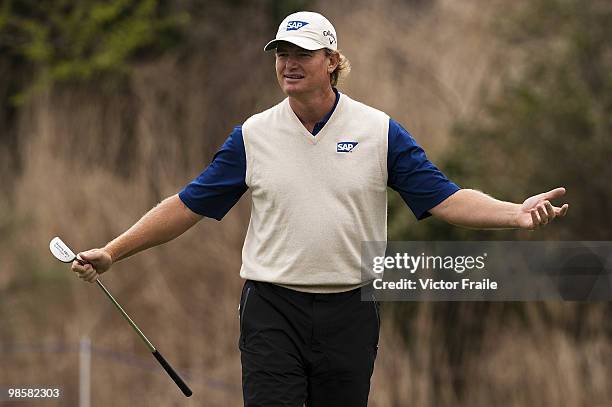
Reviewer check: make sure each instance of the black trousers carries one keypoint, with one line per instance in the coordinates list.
(299, 349)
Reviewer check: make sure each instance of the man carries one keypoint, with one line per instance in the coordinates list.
(318, 165)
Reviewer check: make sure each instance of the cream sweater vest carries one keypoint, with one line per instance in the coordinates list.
(314, 199)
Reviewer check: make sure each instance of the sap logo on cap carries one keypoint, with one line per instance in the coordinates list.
(345, 146)
(295, 25)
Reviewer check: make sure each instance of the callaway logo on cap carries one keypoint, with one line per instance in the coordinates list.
(307, 30)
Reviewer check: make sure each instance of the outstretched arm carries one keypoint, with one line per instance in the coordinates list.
(166, 221)
(473, 209)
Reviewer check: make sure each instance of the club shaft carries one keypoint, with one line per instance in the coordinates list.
(60, 250)
(171, 372)
(127, 318)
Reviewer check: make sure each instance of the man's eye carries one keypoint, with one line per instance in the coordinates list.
(305, 54)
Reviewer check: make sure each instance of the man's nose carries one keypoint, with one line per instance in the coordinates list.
(291, 62)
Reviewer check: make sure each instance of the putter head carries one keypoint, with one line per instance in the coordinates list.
(61, 251)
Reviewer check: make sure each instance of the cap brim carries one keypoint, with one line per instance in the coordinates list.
(301, 42)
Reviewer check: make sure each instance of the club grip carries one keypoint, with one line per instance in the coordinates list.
(177, 379)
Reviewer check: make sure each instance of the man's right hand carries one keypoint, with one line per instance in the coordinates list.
(97, 261)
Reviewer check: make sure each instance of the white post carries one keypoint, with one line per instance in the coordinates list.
(84, 371)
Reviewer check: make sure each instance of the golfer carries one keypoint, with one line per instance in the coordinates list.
(318, 165)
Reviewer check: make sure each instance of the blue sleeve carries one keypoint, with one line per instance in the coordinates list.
(217, 189)
(420, 184)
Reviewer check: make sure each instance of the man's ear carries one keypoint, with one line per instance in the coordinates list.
(334, 60)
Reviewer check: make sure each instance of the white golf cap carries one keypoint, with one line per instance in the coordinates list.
(307, 30)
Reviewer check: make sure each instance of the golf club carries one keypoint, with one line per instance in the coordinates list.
(63, 253)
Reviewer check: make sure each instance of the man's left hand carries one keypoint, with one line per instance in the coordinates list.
(537, 210)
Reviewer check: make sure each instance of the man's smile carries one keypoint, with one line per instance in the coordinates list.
(293, 76)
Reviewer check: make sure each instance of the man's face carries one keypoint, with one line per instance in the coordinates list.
(300, 71)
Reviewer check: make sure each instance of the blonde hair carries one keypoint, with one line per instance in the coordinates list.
(343, 68)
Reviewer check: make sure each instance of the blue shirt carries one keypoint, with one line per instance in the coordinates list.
(420, 184)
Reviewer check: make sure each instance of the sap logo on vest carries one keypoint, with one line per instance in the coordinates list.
(295, 25)
(345, 146)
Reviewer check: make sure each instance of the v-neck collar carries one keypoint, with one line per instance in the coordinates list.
(318, 135)
(320, 124)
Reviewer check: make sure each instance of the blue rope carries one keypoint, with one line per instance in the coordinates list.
(119, 357)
